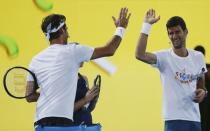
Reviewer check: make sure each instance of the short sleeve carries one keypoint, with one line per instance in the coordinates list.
(160, 60)
(202, 62)
(83, 53)
(29, 76)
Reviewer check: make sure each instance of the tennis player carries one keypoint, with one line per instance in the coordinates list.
(56, 69)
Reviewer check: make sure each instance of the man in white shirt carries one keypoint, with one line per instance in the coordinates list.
(181, 71)
(56, 69)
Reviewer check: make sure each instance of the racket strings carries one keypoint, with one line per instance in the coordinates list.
(16, 82)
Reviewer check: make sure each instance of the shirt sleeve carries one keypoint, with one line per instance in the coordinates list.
(83, 53)
(202, 62)
(160, 60)
(29, 76)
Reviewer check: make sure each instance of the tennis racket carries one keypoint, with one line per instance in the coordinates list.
(97, 81)
(15, 82)
(97, 84)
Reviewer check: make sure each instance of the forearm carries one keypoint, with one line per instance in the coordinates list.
(141, 46)
(121, 25)
(107, 50)
(141, 53)
(201, 91)
(201, 83)
(113, 44)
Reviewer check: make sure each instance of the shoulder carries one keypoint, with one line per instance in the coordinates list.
(162, 52)
(195, 53)
(71, 47)
(80, 48)
(37, 56)
(74, 45)
(41, 53)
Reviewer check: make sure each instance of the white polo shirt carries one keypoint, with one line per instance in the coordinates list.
(56, 69)
(178, 76)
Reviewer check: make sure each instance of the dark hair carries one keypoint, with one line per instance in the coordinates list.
(54, 20)
(200, 48)
(175, 21)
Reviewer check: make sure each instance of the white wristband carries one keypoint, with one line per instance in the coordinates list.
(146, 27)
(120, 31)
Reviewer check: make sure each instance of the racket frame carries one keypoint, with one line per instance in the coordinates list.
(20, 67)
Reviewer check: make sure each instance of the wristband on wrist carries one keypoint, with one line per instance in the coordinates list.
(146, 27)
(120, 31)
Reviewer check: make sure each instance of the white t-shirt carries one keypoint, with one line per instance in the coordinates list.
(56, 69)
(178, 76)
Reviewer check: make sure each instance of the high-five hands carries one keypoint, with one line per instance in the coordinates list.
(123, 18)
(150, 17)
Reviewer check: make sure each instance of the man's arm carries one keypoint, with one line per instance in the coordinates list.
(91, 94)
(141, 53)
(29, 90)
(200, 92)
(112, 45)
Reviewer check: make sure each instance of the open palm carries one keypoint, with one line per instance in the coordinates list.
(150, 17)
(123, 18)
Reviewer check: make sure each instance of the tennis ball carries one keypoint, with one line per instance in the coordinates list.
(44, 5)
(10, 45)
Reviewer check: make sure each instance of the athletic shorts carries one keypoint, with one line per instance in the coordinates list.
(182, 125)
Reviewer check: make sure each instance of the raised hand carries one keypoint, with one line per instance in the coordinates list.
(123, 18)
(150, 17)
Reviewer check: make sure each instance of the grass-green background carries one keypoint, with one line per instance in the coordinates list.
(130, 100)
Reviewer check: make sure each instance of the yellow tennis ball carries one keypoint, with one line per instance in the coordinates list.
(44, 4)
(10, 45)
